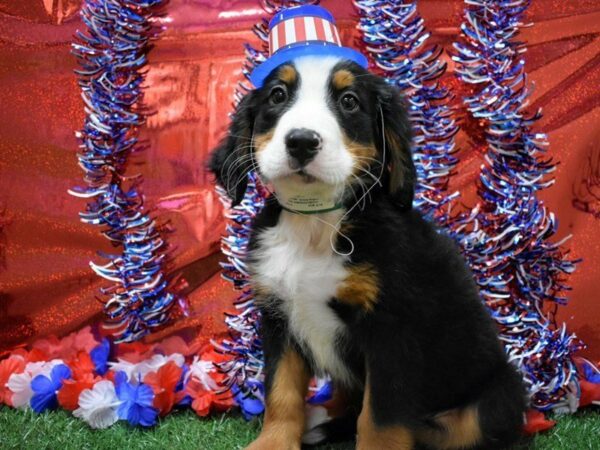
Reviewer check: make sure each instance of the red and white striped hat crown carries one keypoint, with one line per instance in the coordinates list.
(302, 31)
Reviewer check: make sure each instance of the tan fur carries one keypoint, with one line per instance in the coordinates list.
(396, 157)
(372, 437)
(284, 415)
(461, 430)
(361, 154)
(360, 150)
(342, 79)
(361, 287)
(287, 74)
(261, 140)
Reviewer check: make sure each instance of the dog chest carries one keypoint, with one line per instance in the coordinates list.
(295, 262)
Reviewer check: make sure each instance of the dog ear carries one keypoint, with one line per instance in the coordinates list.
(230, 162)
(394, 129)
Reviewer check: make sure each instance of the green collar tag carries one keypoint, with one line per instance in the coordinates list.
(313, 198)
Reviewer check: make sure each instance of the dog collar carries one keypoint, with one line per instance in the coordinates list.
(313, 211)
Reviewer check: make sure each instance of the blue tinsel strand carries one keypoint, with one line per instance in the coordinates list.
(394, 37)
(112, 53)
(507, 239)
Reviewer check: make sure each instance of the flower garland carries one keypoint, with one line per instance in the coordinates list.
(507, 239)
(103, 383)
(142, 382)
(113, 55)
(394, 36)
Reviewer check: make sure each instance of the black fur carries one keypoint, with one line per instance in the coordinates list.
(429, 345)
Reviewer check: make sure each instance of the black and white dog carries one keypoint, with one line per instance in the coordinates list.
(367, 292)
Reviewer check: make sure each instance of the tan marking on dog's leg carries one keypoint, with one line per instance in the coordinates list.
(373, 437)
(287, 74)
(360, 287)
(461, 430)
(284, 415)
(342, 79)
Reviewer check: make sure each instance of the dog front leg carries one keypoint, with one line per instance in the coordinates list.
(284, 415)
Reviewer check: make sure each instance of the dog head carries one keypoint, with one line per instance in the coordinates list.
(320, 121)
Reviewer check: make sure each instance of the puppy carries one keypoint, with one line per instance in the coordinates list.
(366, 292)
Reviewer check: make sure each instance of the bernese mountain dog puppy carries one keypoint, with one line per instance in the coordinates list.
(367, 292)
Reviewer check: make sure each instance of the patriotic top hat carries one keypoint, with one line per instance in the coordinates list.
(302, 31)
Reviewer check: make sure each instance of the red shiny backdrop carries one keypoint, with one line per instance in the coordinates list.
(46, 285)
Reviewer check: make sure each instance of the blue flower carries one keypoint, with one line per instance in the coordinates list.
(322, 395)
(181, 383)
(99, 355)
(137, 400)
(250, 404)
(590, 373)
(45, 388)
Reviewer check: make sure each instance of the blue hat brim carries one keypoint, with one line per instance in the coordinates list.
(258, 75)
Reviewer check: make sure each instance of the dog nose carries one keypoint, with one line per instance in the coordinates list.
(302, 146)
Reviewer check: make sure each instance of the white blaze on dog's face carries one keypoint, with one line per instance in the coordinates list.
(307, 146)
(317, 127)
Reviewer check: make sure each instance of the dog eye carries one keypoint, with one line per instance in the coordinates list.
(278, 95)
(349, 102)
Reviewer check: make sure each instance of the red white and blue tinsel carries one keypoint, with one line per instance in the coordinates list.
(395, 38)
(508, 238)
(113, 55)
(244, 368)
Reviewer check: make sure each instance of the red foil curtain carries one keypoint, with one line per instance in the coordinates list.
(46, 285)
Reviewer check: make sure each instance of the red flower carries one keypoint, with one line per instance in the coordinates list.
(37, 355)
(163, 383)
(68, 395)
(201, 398)
(135, 352)
(81, 365)
(590, 393)
(536, 421)
(203, 401)
(13, 364)
(50, 346)
(175, 344)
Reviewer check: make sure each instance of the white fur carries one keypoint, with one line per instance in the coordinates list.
(295, 261)
(333, 164)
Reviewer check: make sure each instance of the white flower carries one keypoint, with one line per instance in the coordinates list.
(142, 368)
(123, 366)
(98, 406)
(201, 370)
(20, 383)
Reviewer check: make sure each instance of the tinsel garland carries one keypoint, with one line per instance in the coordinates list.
(394, 37)
(244, 370)
(113, 54)
(244, 366)
(508, 239)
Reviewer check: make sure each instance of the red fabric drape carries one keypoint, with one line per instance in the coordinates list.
(46, 285)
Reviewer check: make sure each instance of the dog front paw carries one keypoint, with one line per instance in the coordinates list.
(272, 441)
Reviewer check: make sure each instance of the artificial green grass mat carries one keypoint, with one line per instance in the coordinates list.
(184, 430)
